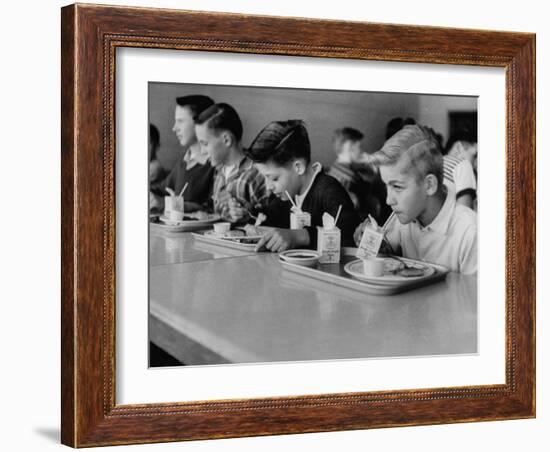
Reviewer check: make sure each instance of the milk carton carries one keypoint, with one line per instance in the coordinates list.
(328, 241)
(173, 207)
(370, 241)
(299, 219)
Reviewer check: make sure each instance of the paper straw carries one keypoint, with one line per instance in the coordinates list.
(170, 191)
(337, 215)
(183, 189)
(388, 221)
(291, 200)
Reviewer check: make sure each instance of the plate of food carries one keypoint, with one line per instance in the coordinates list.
(235, 239)
(388, 270)
(190, 222)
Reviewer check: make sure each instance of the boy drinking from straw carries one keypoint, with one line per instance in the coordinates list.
(427, 223)
(281, 152)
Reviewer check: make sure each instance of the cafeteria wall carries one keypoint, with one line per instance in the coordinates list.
(323, 112)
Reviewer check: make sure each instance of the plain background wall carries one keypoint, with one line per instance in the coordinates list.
(30, 241)
(323, 112)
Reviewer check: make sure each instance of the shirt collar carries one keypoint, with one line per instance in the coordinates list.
(244, 164)
(192, 157)
(441, 222)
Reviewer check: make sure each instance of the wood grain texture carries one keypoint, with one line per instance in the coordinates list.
(90, 36)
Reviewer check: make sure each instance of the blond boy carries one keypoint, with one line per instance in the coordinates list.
(427, 223)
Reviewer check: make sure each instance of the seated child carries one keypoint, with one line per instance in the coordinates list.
(460, 167)
(359, 178)
(219, 131)
(281, 153)
(427, 223)
(459, 177)
(192, 168)
(156, 171)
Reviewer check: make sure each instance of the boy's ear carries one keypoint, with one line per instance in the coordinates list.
(431, 184)
(299, 166)
(227, 138)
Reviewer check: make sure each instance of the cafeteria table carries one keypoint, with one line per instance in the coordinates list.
(212, 305)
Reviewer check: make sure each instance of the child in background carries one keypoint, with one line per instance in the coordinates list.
(156, 171)
(346, 143)
(219, 131)
(282, 154)
(360, 179)
(427, 223)
(460, 167)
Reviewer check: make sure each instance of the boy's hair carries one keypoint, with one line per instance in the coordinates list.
(281, 142)
(220, 117)
(394, 125)
(346, 134)
(420, 146)
(463, 134)
(154, 136)
(196, 103)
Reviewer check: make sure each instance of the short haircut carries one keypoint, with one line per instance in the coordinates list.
(463, 134)
(281, 142)
(347, 134)
(419, 144)
(219, 117)
(394, 125)
(196, 103)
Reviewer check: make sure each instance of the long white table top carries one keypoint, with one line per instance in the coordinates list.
(210, 306)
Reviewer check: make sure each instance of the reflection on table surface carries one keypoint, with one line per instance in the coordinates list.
(174, 248)
(211, 305)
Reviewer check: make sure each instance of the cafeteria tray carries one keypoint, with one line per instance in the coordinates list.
(335, 274)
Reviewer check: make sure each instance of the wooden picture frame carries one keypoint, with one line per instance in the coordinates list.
(90, 37)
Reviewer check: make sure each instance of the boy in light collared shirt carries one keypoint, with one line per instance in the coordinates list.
(427, 223)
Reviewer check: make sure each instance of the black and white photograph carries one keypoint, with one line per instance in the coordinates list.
(266, 226)
(292, 224)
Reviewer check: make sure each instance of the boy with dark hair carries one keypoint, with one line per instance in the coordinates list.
(346, 144)
(427, 223)
(194, 167)
(360, 179)
(281, 152)
(219, 131)
(156, 171)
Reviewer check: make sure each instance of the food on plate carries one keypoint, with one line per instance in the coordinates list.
(200, 215)
(392, 265)
(411, 272)
(234, 233)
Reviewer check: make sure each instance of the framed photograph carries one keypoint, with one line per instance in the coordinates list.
(223, 189)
